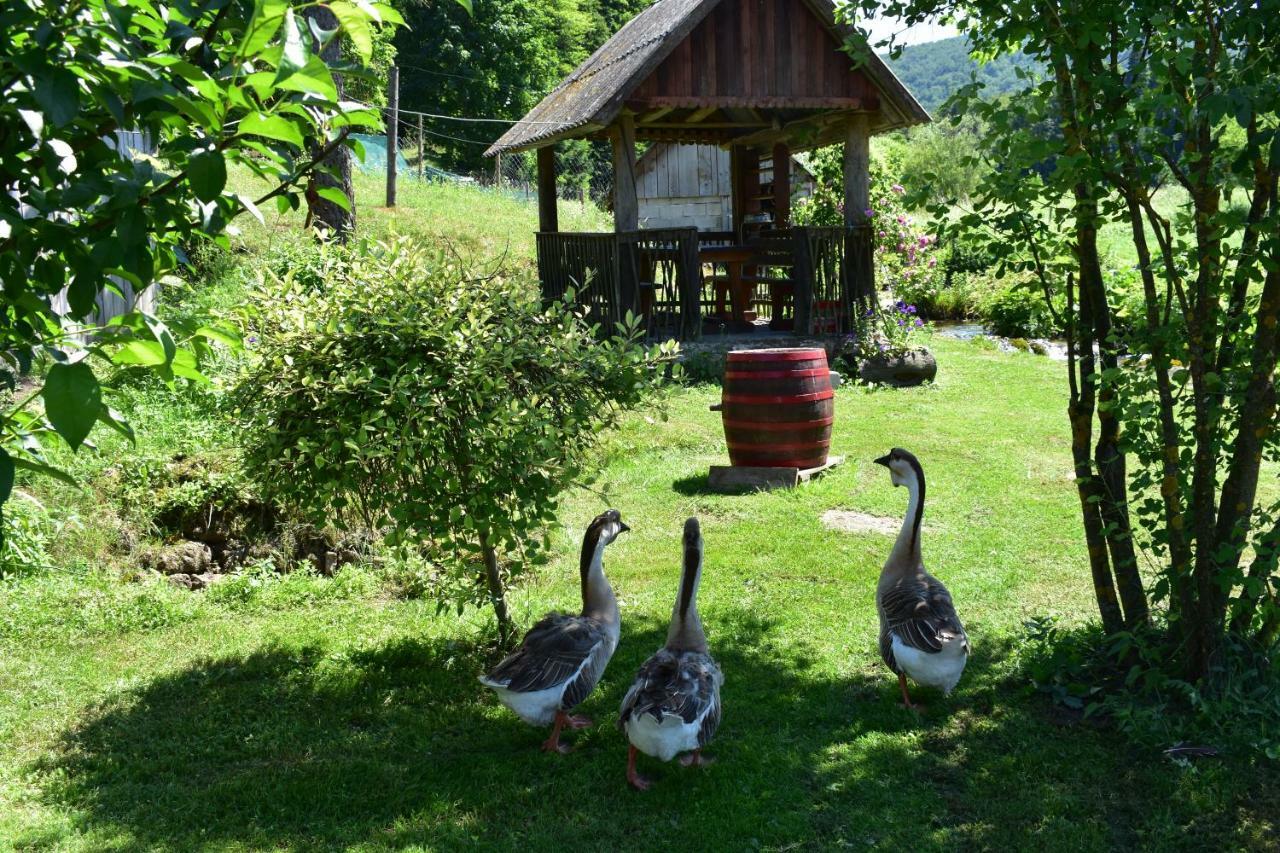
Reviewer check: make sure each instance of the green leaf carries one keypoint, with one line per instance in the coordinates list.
(336, 196)
(294, 56)
(207, 172)
(58, 94)
(266, 20)
(222, 336)
(44, 470)
(146, 353)
(72, 400)
(116, 421)
(6, 476)
(466, 4)
(356, 26)
(271, 127)
(162, 335)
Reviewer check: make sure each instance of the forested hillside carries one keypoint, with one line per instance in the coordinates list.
(935, 70)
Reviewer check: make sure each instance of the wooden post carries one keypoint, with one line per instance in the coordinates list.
(626, 204)
(737, 204)
(857, 171)
(393, 132)
(781, 185)
(548, 220)
(497, 171)
(422, 151)
(858, 282)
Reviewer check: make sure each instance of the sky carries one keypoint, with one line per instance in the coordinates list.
(920, 33)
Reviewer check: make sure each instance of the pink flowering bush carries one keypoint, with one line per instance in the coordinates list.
(907, 258)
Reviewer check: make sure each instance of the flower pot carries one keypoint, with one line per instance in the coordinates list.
(901, 371)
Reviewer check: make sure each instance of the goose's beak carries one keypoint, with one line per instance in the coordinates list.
(622, 527)
(883, 460)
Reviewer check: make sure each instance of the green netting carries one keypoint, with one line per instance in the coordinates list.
(375, 161)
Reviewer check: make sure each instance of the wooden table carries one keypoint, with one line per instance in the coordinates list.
(733, 258)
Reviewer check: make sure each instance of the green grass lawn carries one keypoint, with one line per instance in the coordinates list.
(311, 714)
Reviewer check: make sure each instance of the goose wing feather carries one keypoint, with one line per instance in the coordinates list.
(560, 649)
(683, 683)
(920, 612)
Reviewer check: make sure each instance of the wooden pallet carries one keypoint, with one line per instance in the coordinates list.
(729, 479)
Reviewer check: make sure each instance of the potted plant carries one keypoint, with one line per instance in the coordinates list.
(886, 347)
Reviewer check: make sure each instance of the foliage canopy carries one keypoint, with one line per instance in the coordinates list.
(449, 409)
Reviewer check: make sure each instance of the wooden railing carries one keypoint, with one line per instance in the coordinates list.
(587, 264)
(652, 274)
(663, 278)
(834, 278)
(657, 275)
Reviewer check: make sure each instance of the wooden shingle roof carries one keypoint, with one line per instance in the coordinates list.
(654, 54)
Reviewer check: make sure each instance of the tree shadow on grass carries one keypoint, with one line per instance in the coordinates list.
(397, 745)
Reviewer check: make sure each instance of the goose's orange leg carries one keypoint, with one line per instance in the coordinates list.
(553, 744)
(697, 759)
(635, 779)
(906, 697)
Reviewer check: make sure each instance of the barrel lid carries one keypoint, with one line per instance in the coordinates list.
(780, 354)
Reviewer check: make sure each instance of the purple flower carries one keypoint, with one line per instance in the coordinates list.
(933, 262)
(919, 323)
(911, 309)
(924, 242)
(902, 219)
(898, 189)
(871, 312)
(870, 212)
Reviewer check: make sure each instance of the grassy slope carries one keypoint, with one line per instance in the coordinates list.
(325, 716)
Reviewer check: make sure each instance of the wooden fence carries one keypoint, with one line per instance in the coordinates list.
(657, 274)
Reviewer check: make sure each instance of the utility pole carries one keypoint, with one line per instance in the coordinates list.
(393, 132)
(422, 151)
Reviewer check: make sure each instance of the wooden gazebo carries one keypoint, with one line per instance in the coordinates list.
(763, 78)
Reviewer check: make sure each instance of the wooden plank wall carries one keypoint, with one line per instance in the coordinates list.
(762, 53)
(685, 186)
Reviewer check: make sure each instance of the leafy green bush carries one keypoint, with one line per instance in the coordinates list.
(446, 408)
(1018, 311)
(1126, 679)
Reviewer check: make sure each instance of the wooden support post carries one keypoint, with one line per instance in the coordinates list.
(738, 203)
(858, 284)
(497, 171)
(626, 204)
(548, 220)
(857, 171)
(393, 132)
(422, 151)
(781, 185)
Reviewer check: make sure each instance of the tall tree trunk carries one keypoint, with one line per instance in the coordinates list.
(1170, 436)
(497, 590)
(1103, 507)
(335, 171)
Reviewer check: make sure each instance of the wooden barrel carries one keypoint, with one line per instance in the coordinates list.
(778, 408)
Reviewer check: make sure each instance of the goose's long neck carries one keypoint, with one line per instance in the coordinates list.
(686, 625)
(906, 551)
(597, 596)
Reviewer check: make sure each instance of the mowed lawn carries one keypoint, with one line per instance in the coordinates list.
(359, 724)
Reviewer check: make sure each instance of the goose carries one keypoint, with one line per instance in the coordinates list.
(674, 704)
(562, 658)
(920, 633)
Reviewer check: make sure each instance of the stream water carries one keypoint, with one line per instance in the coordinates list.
(965, 331)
